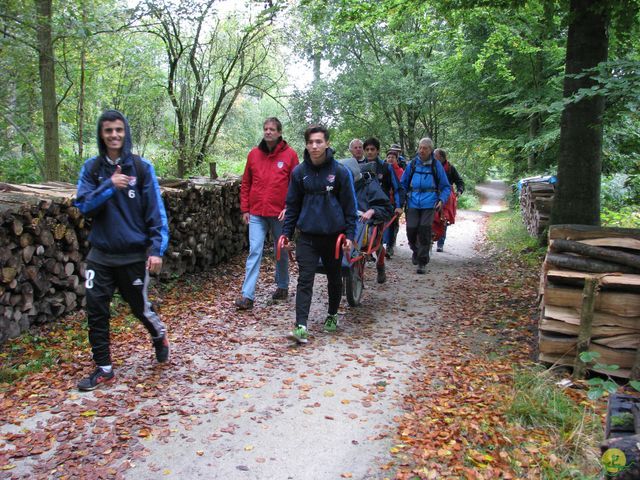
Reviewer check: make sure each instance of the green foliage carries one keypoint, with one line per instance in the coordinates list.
(599, 386)
(620, 201)
(468, 201)
(507, 232)
(537, 402)
(483, 79)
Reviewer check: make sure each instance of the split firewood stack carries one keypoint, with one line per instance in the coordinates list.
(590, 289)
(44, 241)
(536, 199)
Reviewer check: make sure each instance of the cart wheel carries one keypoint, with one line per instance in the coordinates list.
(354, 284)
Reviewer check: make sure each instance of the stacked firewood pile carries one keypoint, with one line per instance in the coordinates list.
(44, 241)
(205, 226)
(536, 199)
(591, 298)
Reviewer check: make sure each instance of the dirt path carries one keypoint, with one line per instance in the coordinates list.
(325, 409)
(238, 400)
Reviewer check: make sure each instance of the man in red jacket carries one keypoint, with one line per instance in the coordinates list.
(262, 195)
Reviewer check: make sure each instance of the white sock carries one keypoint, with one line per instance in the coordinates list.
(106, 368)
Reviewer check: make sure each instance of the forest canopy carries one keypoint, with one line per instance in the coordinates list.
(196, 78)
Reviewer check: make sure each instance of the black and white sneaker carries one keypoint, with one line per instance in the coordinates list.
(97, 378)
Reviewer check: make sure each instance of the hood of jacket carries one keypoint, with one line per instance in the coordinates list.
(279, 146)
(327, 161)
(127, 145)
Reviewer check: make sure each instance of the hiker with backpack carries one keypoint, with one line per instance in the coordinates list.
(129, 235)
(451, 204)
(427, 187)
(321, 205)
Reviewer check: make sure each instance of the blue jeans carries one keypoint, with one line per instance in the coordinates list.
(258, 228)
(442, 238)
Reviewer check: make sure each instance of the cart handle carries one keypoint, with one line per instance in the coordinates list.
(393, 219)
(339, 243)
(282, 243)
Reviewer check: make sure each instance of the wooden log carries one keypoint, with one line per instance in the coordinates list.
(559, 351)
(584, 264)
(27, 253)
(601, 253)
(618, 242)
(8, 274)
(621, 304)
(597, 331)
(614, 280)
(587, 232)
(586, 320)
(18, 226)
(572, 316)
(69, 268)
(631, 340)
(25, 240)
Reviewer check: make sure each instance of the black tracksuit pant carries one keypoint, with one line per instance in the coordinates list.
(309, 249)
(419, 222)
(132, 281)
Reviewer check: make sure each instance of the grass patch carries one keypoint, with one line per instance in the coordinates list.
(29, 353)
(574, 428)
(469, 201)
(506, 231)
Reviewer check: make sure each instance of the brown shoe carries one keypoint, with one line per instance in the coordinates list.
(244, 303)
(280, 294)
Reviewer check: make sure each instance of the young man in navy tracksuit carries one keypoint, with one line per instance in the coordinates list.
(321, 204)
(427, 187)
(129, 235)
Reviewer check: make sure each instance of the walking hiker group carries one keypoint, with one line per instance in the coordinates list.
(316, 202)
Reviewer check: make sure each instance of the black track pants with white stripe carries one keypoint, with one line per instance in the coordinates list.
(132, 281)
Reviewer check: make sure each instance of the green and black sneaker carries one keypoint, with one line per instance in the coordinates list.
(299, 334)
(331, 323)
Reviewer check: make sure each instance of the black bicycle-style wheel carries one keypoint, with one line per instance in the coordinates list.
(354, 285)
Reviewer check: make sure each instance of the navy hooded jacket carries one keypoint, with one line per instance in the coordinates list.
(321, 199)
(370, 195)
(124, 221)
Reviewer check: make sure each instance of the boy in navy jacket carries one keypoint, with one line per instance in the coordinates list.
(321, 204)
(129, 235)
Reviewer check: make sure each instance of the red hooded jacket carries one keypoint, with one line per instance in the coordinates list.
(266, 179)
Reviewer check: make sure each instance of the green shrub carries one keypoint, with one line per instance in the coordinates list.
(624, 217)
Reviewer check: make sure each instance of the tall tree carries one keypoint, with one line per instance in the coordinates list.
(210, 62)
(46, 61)
(577, 199)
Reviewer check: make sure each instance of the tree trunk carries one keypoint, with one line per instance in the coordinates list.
(580, 159)
(81, 96)
(48, 90)
(315, 100)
